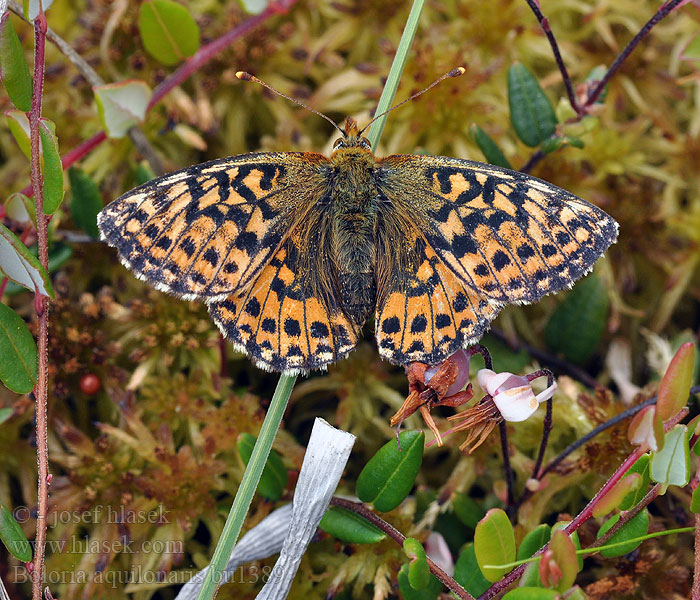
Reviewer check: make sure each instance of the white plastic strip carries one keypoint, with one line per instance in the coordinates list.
(326, 455)
(289, 529)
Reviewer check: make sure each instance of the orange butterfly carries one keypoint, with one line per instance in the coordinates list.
(294, 251)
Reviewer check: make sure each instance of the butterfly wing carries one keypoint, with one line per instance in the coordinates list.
(508, 236)
(209, 230)
(289, 320)
(425, 313)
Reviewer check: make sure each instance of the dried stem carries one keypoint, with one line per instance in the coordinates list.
(360, 509)
(42, 304)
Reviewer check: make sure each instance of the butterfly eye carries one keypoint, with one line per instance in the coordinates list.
(339, 143)
(364, 143)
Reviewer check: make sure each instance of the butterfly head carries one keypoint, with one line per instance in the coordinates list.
(351, 137)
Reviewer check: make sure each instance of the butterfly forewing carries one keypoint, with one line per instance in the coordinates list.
(508, 236)
(207, 231)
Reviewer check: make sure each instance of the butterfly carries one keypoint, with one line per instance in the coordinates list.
(293, 252)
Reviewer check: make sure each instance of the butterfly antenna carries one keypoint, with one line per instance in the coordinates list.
(243, 76)
(453, 73)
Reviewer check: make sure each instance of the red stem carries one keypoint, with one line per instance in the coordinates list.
(41, 388)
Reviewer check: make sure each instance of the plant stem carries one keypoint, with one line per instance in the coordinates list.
(42, 383)
(249, 483)
(544, 24)
(360, 509)
(392, 81)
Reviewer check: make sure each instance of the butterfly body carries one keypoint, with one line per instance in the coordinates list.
(294, 252)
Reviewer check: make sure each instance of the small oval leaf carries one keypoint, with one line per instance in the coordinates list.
(14, 70)
(531, 112)
(19, 128)
(13, 537)
(85, 202)
(274, 477)
(350, 527)
(492, 152)
(18, 353)
(20, 208)
(20, 265)
(577, 324)
(53, 169)
(671, 464)
(32, 7)
(695, 501)
(494, 544)
(564, 554)
(636, 527)
(467, 510)
(122, 105)
(675, 385)
(468, 574)
(614, 497)
(533, 541)
(418, 569)
(389, 475)
(641, 467)
(168, 31)
(430, 592)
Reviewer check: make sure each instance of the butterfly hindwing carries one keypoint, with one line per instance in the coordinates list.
(208, 230)
(282, 321)
(508, 236)
(426, 313)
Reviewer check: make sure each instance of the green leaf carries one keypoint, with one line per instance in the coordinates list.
(695, 501)
(144, 173)
(531, 593)
(418, 569)
(389, 475)
(348, 526)
(20, 208)
(494, 544)
(168, 31)
(14, 70)
(491, 151)
(554, 143)
(675, 385)
(274, 477)
(5, 413)
(576, 326)
(430, 592)
(561, 525)
(671, 464)
(533, 541)
(564, 554)
(468, 574)
(86, 201)
(642, 467)
(53, 169)
(467, 510)
(18, 353)
(614, 496)
(122, 105)
(18, 264)
(31, 7)
(636, 527)
(19, 128)
(13, 537)
(531, 112)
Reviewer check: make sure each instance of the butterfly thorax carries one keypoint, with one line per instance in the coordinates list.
(353, 212)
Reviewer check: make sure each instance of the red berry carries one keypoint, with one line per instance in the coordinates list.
(90, 384)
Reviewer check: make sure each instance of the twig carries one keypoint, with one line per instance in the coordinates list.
(41, 388)
(627, 516)
(360, 509)
(586, 513)
(663, 11)
(544, 23)
(547, 425)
